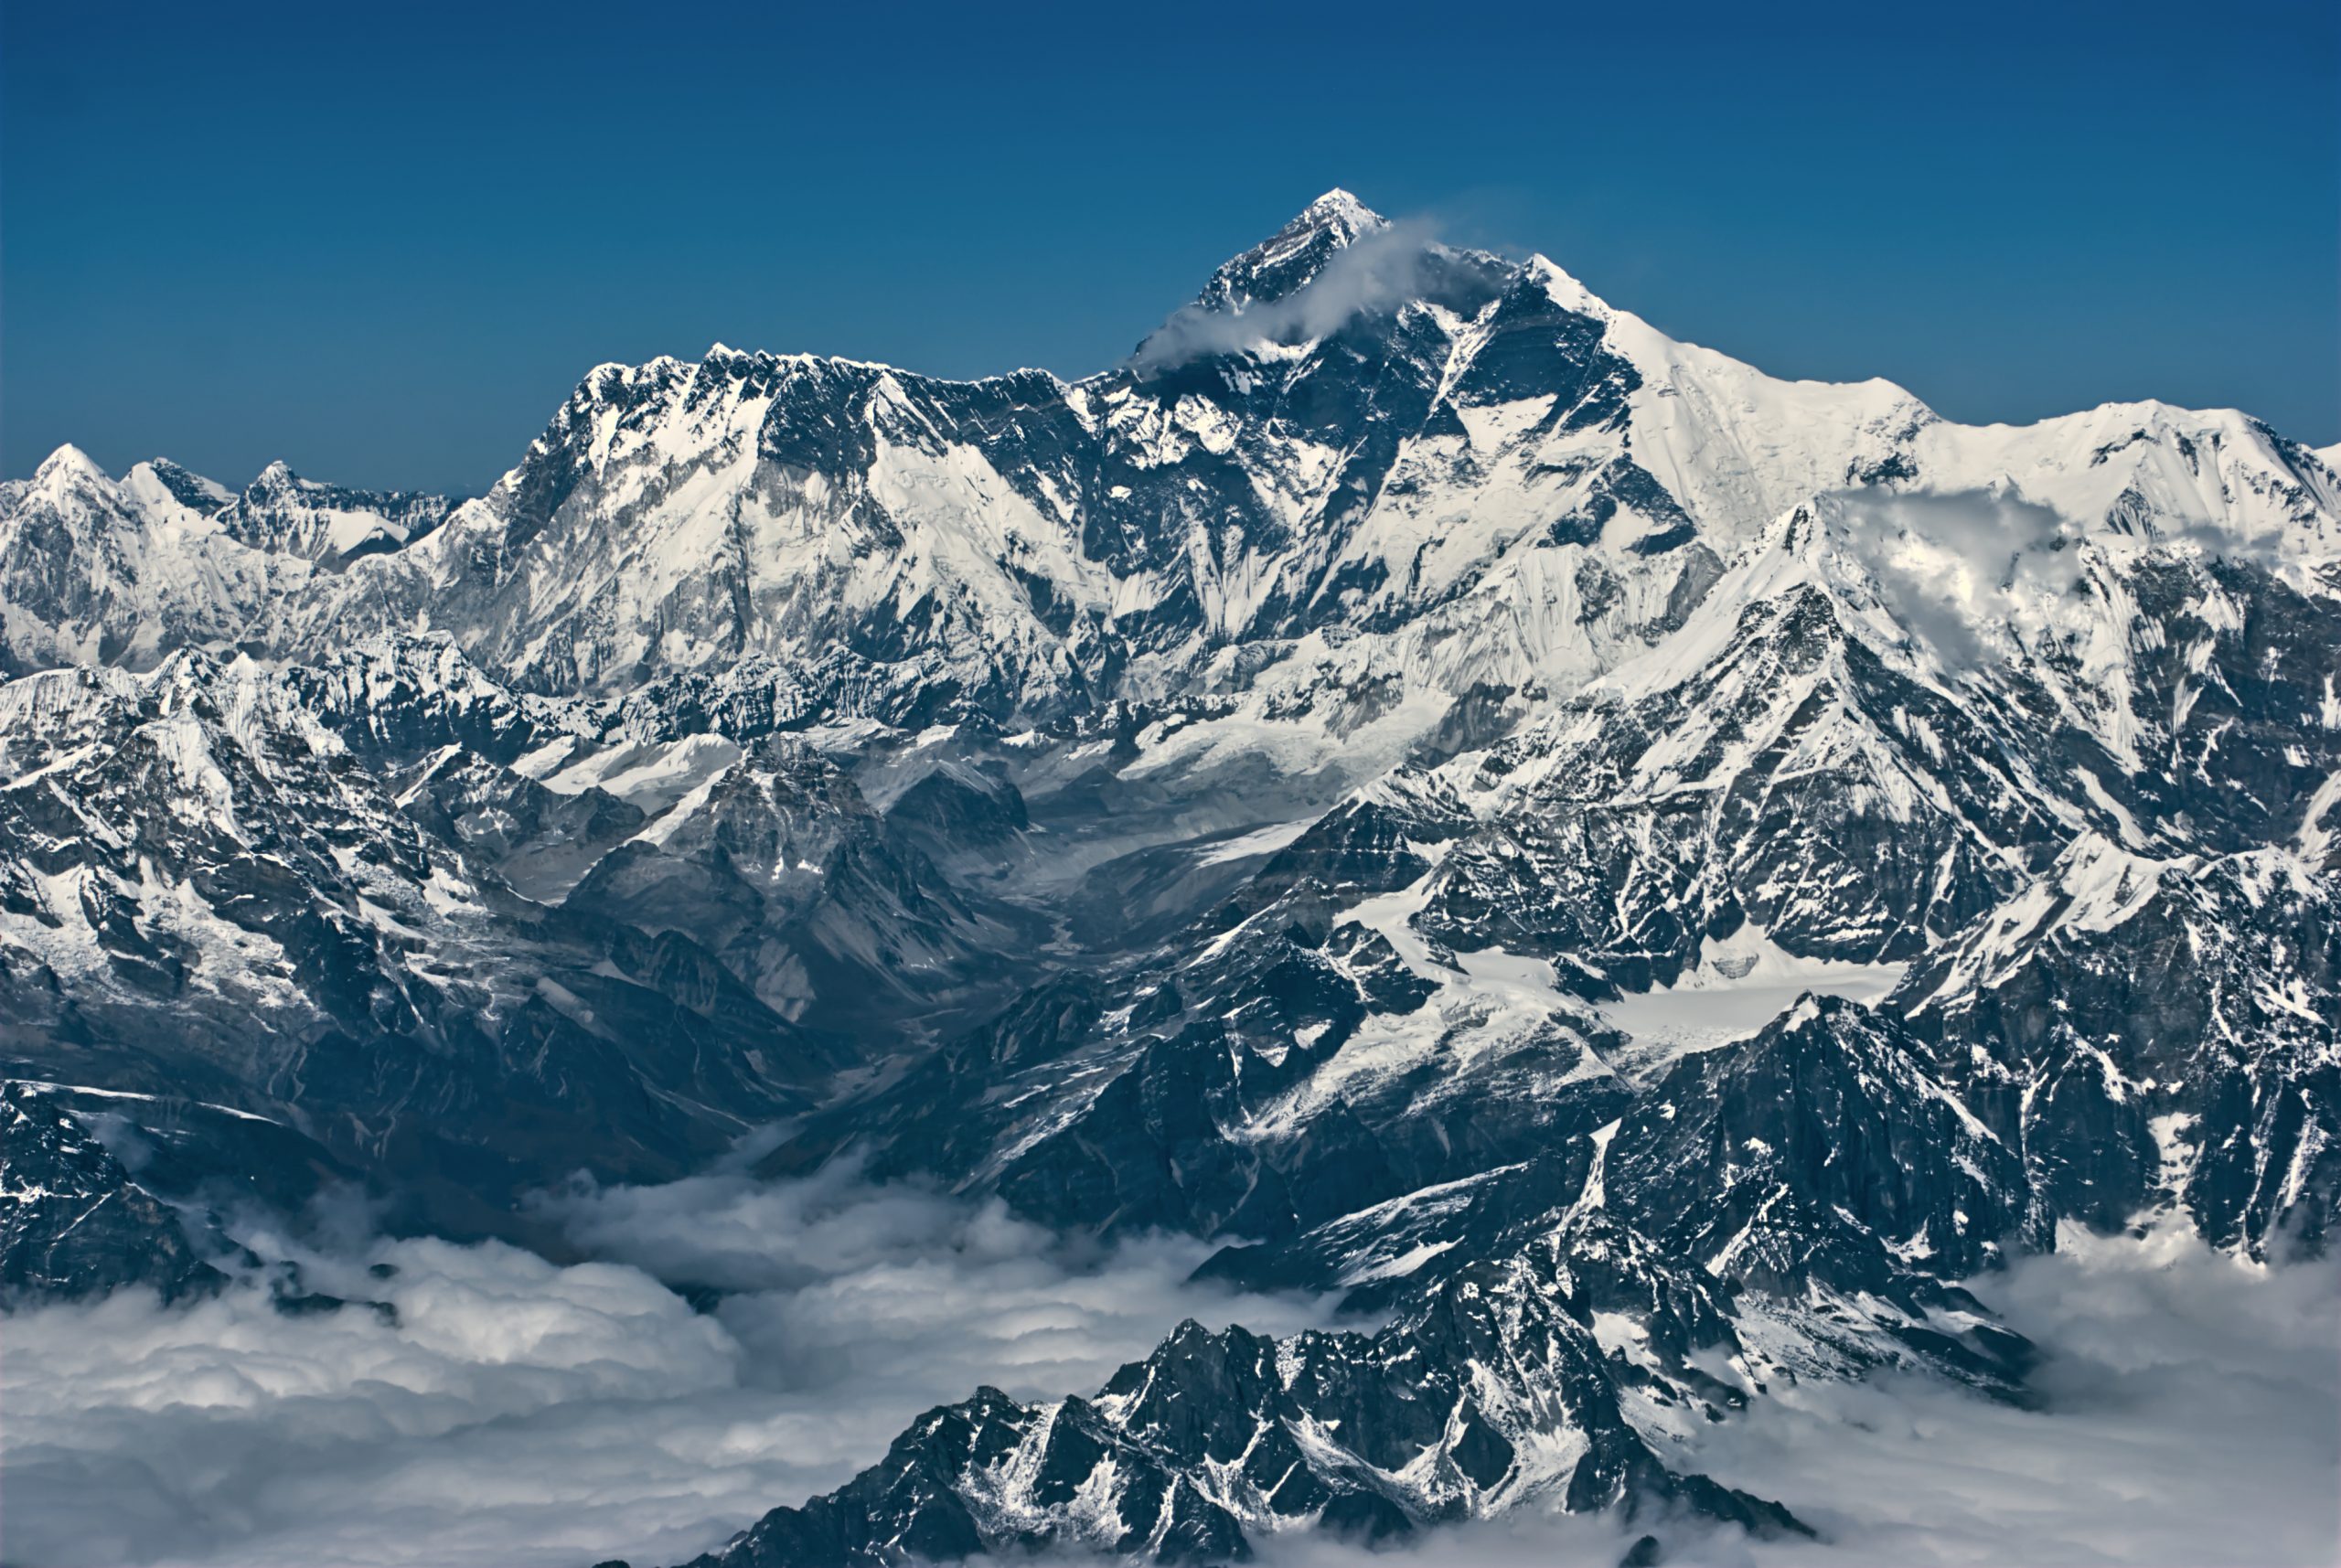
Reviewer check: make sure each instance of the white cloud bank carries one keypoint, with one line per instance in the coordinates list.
(2192, 1416)
(521, 1412)
(1956, 569)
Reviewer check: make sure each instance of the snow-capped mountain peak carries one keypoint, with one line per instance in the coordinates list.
(1340, 207)
(1469, 473)
(160, 483)
(284, 514)
(67, 465)
(1291, 258)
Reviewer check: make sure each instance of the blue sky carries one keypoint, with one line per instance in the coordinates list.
(382, 241)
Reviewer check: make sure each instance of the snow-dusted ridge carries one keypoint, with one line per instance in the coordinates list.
(1472, 473)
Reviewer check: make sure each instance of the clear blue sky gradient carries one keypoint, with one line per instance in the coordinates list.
(382, 241)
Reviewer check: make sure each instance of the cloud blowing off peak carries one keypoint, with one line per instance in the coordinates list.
(1379, 269)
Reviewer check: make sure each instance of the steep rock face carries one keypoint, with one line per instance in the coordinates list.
(1314, 514)
(1860, 778)
(1794, 781)
(72, 1220)
(1495, 1389)
(1290, 260)
(540, 841)
(777, 864)
(953, 808)
(1567, 1358)
(1821, 1151)
(682, 517)
(2156, 1033)
(1792, 1206)
(96, 572)
(397, 700)
(1261, 1075)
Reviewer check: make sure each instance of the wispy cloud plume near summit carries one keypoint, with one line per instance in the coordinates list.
(1375, 272)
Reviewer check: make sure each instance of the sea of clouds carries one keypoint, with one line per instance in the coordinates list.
(520, 1412)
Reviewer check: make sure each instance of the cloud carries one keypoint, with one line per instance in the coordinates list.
(1374, 271)
(1965, 572)
(523, 1413)
(845, 1284)
(1955, 568)
(520, 1412)
(2192, 1414)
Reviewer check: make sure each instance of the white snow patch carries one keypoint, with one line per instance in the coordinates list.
(1259, 841)
(1740, 985)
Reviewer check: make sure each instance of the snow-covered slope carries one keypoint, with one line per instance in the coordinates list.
(96, 570)
(204, 893)
(92, 572)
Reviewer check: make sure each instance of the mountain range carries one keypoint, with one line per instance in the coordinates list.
(1637, 877)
